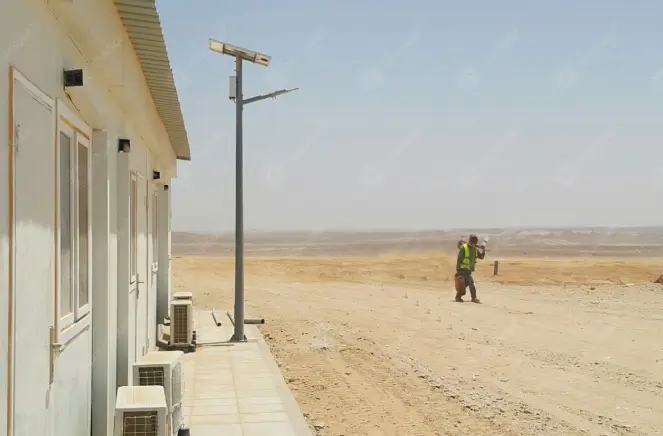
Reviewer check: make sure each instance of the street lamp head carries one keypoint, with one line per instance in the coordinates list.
(231, 50)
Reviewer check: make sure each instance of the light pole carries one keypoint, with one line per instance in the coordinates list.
(241, 54)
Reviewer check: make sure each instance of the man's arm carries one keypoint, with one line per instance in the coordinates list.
(459, 259)
(481, 253)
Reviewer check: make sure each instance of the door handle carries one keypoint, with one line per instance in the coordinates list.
(51, 362)
(138, 283)
(17, 138)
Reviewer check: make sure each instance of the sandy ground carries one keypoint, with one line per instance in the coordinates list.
(377, 347)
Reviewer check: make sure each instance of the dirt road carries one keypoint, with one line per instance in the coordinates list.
(391, 359)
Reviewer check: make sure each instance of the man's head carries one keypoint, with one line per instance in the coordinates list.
(473, 240)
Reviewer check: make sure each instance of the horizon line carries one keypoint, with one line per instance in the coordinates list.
(459, 229)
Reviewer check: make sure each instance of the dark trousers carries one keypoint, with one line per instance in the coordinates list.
(469, 282)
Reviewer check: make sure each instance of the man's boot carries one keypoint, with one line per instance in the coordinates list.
(459, 284)
(473, 293)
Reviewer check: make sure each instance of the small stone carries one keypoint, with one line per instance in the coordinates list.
(319, 425)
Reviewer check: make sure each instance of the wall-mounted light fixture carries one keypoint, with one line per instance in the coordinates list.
(156, 175)
(123, 145)
(73, 78)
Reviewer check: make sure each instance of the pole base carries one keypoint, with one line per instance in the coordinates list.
(234, 339)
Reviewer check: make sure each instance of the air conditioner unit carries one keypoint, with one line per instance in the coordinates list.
(141, 411)
(181, 323)
(162, 368)
(183, 296)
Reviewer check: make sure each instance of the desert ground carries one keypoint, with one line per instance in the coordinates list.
(568, 339)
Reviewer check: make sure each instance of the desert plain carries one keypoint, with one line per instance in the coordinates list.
(568, 339)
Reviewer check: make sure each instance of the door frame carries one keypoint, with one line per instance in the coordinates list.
(134, 290)
(135, 276)
(42, 97)
(153, 261)
(142, 180)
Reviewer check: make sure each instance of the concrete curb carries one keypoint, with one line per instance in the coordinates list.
(300, 426)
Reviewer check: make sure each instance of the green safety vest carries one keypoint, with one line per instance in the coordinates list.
(465, 264)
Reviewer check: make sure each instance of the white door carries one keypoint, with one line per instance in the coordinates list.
(33, 262)
(139, 263)
(71, 389)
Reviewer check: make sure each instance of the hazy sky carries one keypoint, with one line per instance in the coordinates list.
(423, 114)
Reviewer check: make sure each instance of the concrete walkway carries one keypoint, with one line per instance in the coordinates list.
(236, 389)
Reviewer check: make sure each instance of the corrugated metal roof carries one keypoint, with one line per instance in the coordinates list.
(141, 20)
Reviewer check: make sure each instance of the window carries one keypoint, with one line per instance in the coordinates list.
(83, 226)
(73, 178)
(66, 236)
(155, 231)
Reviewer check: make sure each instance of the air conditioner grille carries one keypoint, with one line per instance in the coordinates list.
(180, 325)
(144, 423)
(151, 376)
(177, 390)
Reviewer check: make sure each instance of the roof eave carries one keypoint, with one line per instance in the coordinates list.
(143, 25)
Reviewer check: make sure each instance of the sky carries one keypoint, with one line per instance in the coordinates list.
(422, 114)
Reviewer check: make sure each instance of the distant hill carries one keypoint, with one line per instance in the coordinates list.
(597, 241)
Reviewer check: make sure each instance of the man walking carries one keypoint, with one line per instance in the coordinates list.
(468, 254)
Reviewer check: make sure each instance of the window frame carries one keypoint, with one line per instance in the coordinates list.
(70, 324)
